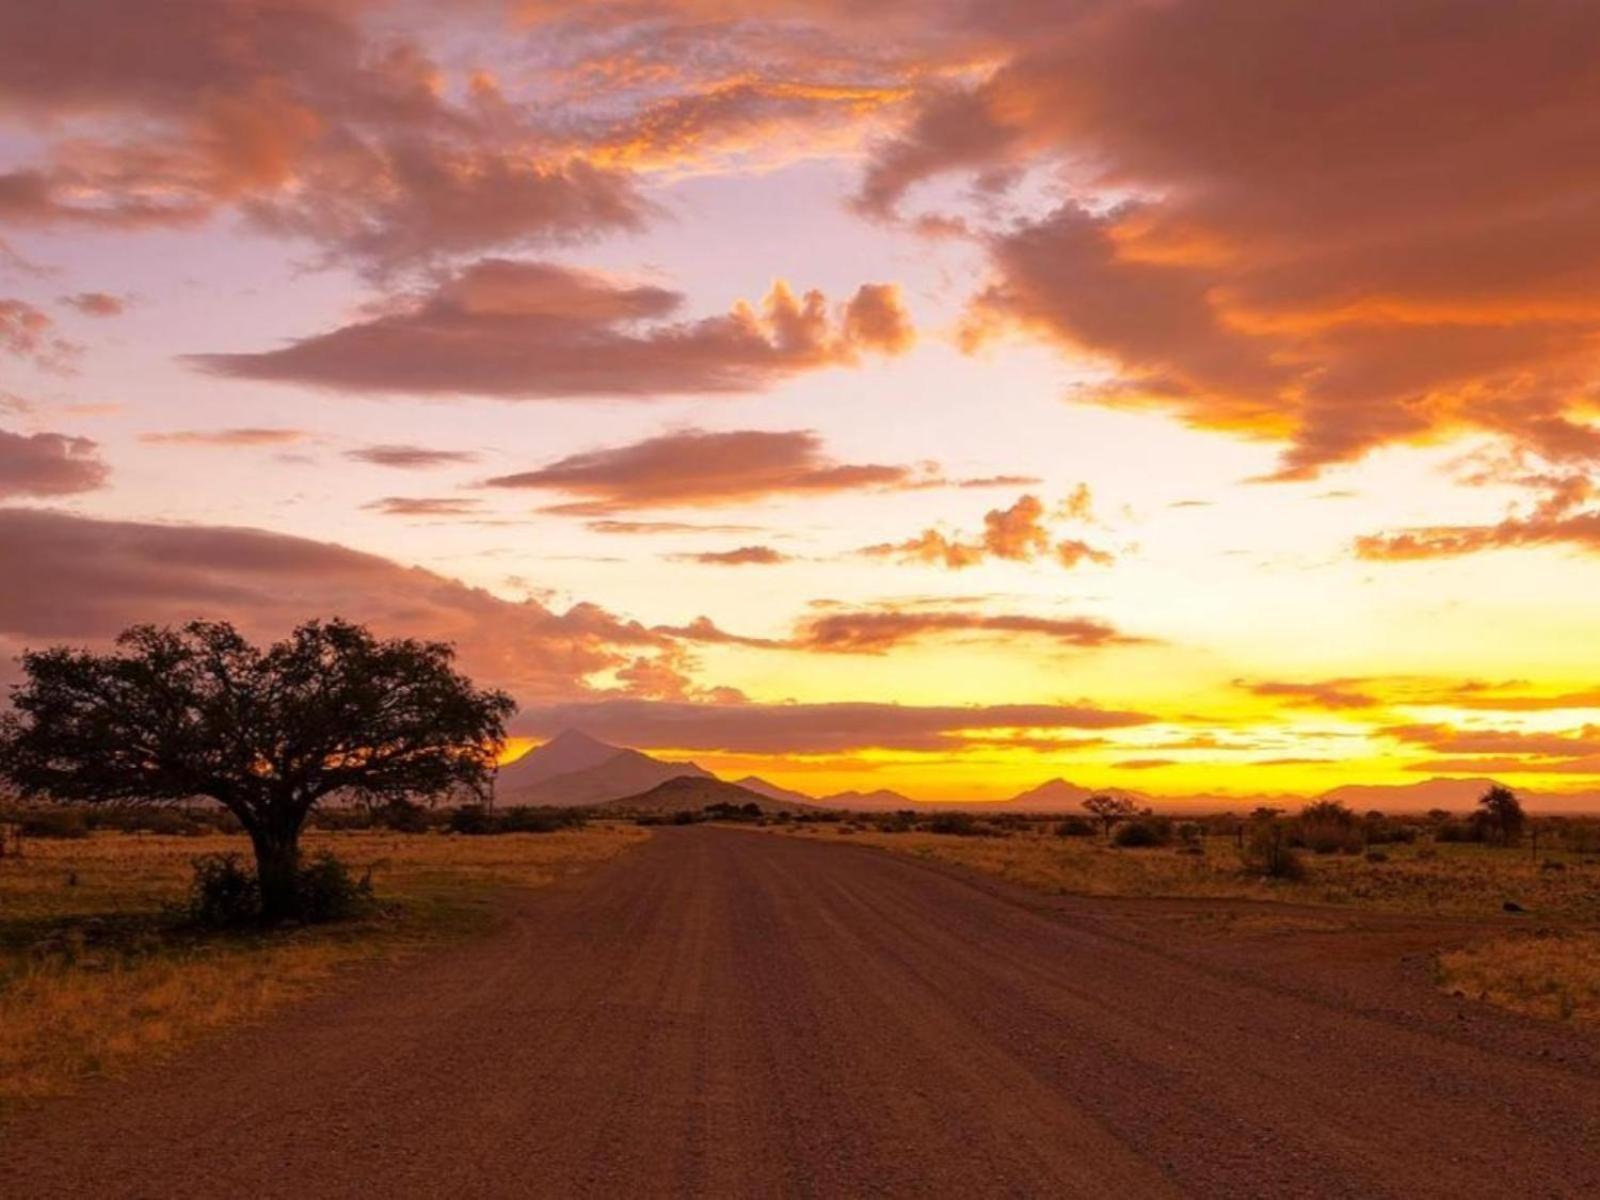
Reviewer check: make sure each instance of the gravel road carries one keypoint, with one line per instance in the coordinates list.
(728, 1013)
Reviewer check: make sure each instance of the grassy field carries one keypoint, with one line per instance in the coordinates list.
(97, 969)
(1465, 880)
(1546, 964)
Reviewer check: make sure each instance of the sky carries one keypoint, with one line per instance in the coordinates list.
(1193, 397)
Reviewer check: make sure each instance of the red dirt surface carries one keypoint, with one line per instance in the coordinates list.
(725, 1013)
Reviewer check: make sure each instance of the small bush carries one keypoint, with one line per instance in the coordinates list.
(1146, 831)
(1267, 852)
(403, 816)
(725, 811)
(224, 893)
(1327, 837)
(66, 823)
(957, 824)
(471, 819)
(326, 892)
(1075, 827)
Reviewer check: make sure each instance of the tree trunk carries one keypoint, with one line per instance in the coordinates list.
(278, 869)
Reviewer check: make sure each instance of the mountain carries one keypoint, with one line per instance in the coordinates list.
(772, 791)
(1459, 794)
(573, 770)
(882, 800)
(691, 794)
(1052, 794)
(563, 754)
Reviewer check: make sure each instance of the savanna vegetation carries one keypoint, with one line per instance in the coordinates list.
(1536, 880)
(107, 952)
(198, 830)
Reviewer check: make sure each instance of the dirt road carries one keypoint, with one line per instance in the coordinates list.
(727, 1013)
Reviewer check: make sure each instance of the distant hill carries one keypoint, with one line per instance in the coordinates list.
(1455, 795)
(563, 754)
(1424, 794)
(573, 770)
(757, 784)
(693, 793)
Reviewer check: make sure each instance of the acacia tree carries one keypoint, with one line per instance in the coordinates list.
(1500, 817)
(198, 711)
(1108, 810)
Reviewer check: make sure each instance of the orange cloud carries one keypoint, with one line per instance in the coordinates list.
(423, 506)
(226, 437)
(300, 115)
(697, 468)
(764, 556)
(1559, 518)
(526, 330)
(809, 728)
(409, 457)
(1020, 533)
(1397, 250)
(1332, 694)
(880, 630)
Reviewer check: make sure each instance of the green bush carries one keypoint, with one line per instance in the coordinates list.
(1075, 827)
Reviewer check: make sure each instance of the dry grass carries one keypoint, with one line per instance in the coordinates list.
(1450, 880)
(95, 972)
(1554, 975)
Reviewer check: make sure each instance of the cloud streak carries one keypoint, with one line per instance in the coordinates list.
(697, 468)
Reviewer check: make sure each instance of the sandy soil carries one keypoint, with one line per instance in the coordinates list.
(725, 1013)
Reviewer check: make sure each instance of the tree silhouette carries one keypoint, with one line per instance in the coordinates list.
(1500, 817)
(1108, 810)
(199, 711)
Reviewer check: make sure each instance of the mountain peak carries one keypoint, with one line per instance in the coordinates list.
(573, 737)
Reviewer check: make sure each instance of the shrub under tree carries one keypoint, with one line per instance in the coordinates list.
(268, 734)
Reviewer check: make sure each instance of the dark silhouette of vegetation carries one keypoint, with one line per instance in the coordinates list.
(1500, 819)
(268, 734)
(958, 824)
(1074, 827)
(1328, 827)
(1267, 849)
(1144, 830)
(226, 894)
(1108, 810)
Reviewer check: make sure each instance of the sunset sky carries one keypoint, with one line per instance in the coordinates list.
(1196, 397)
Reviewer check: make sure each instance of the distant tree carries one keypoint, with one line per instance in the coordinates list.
(1329, 812)
(1108, 810)
(1500, 817)
(198, 711)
